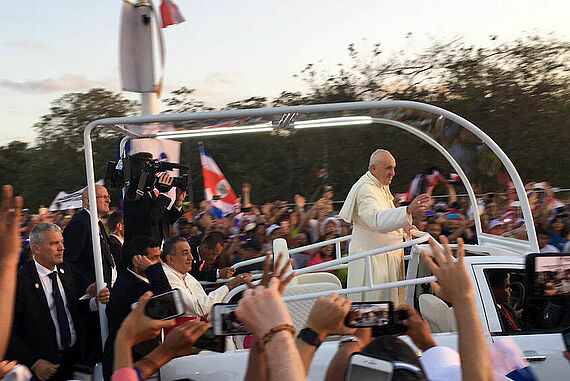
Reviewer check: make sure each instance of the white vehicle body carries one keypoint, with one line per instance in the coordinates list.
(491, 252)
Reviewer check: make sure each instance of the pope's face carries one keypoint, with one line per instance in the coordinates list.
(384, 169)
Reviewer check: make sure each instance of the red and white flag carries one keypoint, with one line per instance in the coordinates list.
(215, 184)
(170, 13)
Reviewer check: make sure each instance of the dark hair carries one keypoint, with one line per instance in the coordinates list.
(211, 239)
(137, 246)
(561, 216)
(169, 246)
(391, 348)
(114, 219)
(497, 279)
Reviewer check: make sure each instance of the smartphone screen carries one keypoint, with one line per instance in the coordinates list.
(209, 341)
(378, 314)
(549, 275)
(366, 368)
(225, 322)
(165, 306)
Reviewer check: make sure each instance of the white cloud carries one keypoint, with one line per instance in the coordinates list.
(67, 82)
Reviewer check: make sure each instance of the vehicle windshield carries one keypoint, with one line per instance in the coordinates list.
(420, 167)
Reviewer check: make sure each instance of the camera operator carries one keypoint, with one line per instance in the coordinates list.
(145, 211)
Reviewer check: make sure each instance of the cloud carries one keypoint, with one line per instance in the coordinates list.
(221, 78)
(67, 82)
(25, 45)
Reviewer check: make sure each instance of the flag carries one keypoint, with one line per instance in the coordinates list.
(427, 180)
(321, 173)
(215, 184)
(170, 13)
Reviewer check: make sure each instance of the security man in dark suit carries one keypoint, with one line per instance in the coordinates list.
(205, 256)
(47, 325)
(79, 255)
(142, 272)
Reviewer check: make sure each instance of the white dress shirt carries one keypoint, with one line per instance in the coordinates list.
(196, 302)
(48, 291)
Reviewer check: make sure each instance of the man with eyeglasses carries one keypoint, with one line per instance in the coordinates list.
(79, 255)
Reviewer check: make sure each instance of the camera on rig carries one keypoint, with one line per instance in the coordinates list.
(139, 174)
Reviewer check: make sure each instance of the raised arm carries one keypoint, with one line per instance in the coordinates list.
(455, 285)
(10, 216)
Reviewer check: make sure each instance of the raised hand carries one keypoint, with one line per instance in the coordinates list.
(419, 204)
(10, 219)
(327, 316)
(137, 327)
(453, 282)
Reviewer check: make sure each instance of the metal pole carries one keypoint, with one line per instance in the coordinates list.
(94, 222)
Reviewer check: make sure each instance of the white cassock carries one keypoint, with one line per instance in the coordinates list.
(376, 223)
(196, 302)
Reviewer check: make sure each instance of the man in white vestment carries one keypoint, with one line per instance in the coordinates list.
(177, 263)
(377, 223)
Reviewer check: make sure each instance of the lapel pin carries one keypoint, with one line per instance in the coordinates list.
(37, 285)
(61, 271)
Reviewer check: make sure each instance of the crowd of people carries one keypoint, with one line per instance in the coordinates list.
(52, 325)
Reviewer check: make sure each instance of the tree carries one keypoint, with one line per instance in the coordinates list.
(56, 162)
(70, 114)
(182, 100)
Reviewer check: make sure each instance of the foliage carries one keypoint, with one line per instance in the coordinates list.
(517, 92)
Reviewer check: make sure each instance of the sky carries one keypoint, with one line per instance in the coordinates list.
(231, 50)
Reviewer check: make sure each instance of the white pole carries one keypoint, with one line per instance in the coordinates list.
(149, 103)
(94, 222)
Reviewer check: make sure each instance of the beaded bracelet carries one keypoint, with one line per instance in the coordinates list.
(269, 335)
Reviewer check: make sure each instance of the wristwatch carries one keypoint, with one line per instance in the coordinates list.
(310, 337)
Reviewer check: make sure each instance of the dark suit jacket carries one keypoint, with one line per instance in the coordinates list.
(206, 274)
(149, 216)
(79, 251)
(33, 334)
(116, 249)
(126, 291)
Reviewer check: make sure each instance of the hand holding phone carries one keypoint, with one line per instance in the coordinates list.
(369, 314)
(165, 306)
(225, 322)
(415, 327)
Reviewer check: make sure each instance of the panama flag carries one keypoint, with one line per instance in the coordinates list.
(215, 184)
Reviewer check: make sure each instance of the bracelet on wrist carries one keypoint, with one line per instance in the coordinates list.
(269, 335)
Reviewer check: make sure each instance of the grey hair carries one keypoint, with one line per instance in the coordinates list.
(37, 233)
(374, 156)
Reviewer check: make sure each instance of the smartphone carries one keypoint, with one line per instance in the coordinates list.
(369, 314)
(211, 342)
(164, 306)
(362, 367)
(548, 274)
(225, 322)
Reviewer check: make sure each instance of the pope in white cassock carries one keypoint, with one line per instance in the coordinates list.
(377, 223)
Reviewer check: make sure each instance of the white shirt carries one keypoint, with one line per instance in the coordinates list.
(48, 291)
(196, 302)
